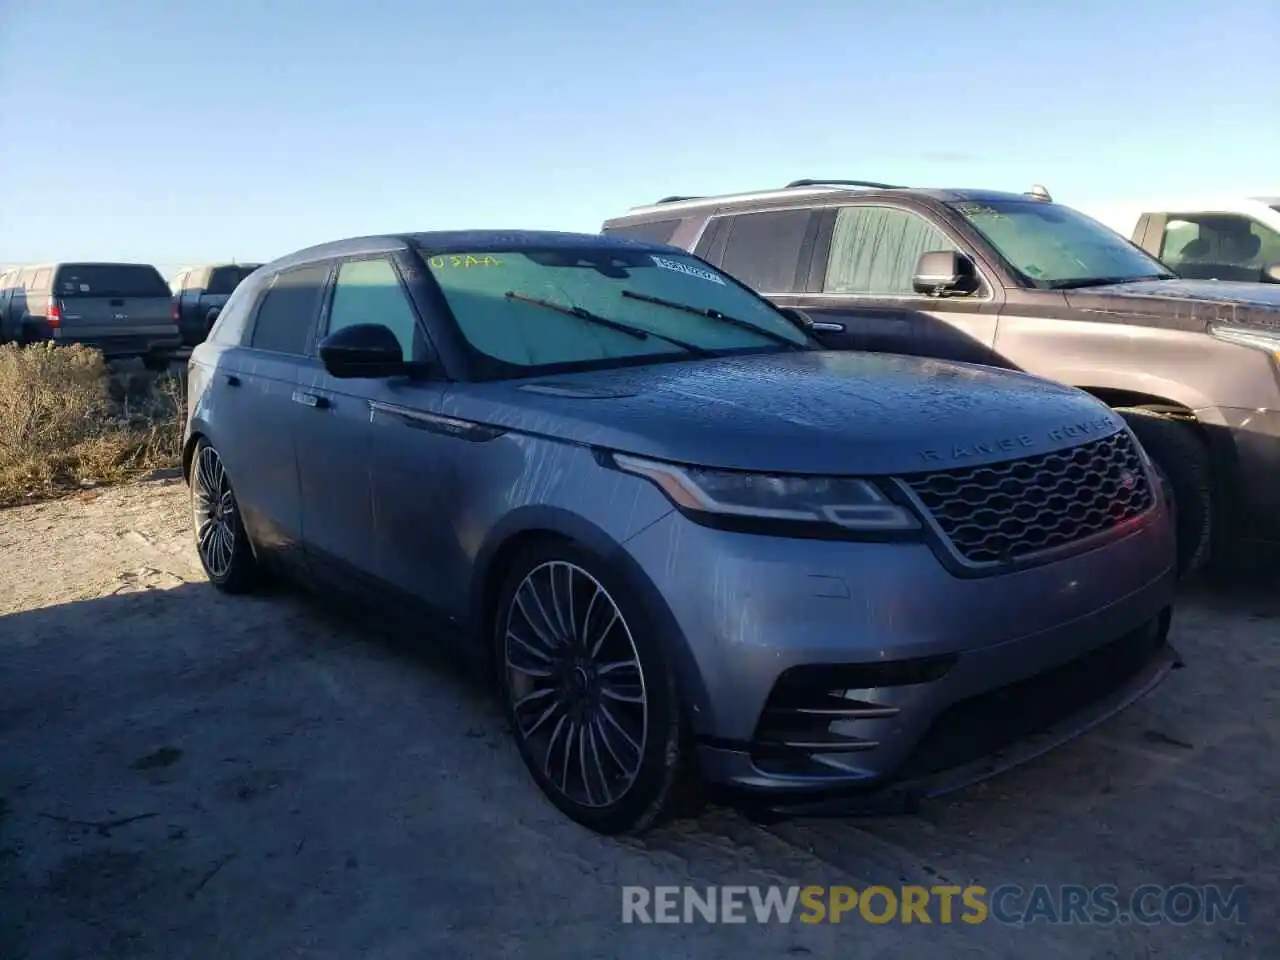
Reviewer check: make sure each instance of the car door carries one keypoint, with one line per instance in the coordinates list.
(257, 408)
(367, 475)
(859, 289)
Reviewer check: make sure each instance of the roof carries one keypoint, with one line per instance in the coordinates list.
(677, 207)
(445, 241)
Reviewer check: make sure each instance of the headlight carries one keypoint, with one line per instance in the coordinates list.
(1259, 340)
(834, 503)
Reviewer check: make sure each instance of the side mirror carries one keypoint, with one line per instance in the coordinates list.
(941, 273)
(1271, 273)
(364, 350)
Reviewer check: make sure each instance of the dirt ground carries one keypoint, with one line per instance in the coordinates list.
(189, 775)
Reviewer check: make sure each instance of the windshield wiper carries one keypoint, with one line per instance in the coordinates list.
(1107, 281)
(638, 333)
(713, 314)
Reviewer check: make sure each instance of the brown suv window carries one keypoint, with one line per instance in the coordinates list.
(874, 250)
(763, 249)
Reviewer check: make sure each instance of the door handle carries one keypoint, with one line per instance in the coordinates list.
(310, 400)
(823, 326)
(232, 380)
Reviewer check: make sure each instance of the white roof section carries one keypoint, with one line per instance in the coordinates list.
(1122, 216)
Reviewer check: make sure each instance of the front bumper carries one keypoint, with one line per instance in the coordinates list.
(768, 626)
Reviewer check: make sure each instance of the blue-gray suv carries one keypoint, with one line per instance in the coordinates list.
(694, 547)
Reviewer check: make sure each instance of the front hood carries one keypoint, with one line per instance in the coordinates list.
(1192, 304)
(814, 412)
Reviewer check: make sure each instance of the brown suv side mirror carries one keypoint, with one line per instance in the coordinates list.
(941, 273)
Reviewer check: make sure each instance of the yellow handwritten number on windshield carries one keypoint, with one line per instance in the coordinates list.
(465, 260)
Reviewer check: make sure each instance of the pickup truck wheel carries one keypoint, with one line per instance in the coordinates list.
(1183, 459)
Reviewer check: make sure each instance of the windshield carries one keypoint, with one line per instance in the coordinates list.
(541, 308)
(1055, 247)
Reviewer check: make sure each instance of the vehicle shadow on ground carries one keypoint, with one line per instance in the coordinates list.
(149, 734)
(1256, 594)
(150, 740)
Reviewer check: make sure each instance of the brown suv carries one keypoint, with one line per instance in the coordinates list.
(1015, 280)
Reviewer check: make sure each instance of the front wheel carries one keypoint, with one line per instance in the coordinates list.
(1182, 459)
(221, 541)
(588, 693)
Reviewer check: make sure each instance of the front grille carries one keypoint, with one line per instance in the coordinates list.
(1002, 512)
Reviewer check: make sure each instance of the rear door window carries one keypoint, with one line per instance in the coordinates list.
(115, 280)
(763, 249)
(289, 309)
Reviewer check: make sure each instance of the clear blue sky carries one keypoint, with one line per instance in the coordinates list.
(184, 131)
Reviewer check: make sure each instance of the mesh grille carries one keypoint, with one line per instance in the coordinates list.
(1005, 511)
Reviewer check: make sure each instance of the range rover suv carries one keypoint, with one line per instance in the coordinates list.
(692, 546)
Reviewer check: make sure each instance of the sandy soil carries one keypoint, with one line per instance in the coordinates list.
(188, 775)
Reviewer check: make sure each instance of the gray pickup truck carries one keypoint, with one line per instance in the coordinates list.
(122, 309)
(199, 294)
(1220, 238)
(1018, 281)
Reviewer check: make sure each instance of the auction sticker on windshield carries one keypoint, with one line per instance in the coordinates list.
(686, 269)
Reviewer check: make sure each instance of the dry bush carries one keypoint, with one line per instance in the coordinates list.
(67, 421)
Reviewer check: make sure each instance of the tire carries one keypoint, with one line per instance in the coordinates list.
(1184, 461)
(233, 568)
(156, 362)
(630, 765)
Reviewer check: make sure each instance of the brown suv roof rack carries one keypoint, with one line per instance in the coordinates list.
(872, 184)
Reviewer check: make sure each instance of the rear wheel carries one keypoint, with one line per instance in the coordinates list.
(221, 541)
(1182, 458)
(588, 693)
